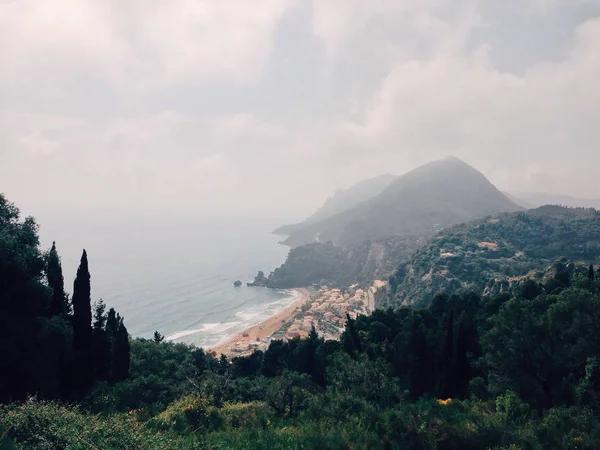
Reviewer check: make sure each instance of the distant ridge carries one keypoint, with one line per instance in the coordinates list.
(341, 201)
(436, 195)
(539, 199)
(520, 202)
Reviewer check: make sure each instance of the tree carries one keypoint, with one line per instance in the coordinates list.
(420, 363)
(111, 324)
(101, 343)
(82, 308)
(448, 361)
(59, 303)
(350, 338)
(121, 357)
(82, 327)
(591, 274)
(158, 338)
(34, 349)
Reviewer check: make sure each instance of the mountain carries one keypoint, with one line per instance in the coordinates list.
(341, 201)
(488, 256)
(539, 199)
(433, 196)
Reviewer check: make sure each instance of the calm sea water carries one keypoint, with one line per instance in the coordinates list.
(175, 276)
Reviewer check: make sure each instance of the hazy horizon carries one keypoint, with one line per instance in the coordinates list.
(225, 109)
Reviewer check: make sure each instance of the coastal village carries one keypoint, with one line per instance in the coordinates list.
(324, 308)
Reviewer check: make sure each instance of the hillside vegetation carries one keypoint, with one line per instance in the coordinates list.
(324, 264)
(516, 370)
(487, 256)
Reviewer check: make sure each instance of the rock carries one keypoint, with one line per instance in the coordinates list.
(259, 280)
(237, 283)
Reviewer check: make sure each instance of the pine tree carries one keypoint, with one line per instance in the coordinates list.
(591, 274)
(158, 338)
(59, 303)
(101, 344)
(82, 328)
(120, 352)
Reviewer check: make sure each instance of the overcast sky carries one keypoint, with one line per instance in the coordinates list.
(217, 106)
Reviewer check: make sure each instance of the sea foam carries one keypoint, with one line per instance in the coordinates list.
(208, 328)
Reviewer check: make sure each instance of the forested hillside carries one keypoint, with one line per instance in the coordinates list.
(489, 255)
(325, 264)
(516, 370)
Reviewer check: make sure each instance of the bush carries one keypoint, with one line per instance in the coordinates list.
(43, 425)
(188, 415)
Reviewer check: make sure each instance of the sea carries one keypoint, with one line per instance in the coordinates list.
(175, 275)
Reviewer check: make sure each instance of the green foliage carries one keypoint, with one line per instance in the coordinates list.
(35, 347)
(188, 415)
(45, 349)
(510, 371)
(39, 425)
(59, 303)
(461, 259)
(326, 264)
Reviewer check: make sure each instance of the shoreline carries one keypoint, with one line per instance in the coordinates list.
(258, 335)
(326, 309)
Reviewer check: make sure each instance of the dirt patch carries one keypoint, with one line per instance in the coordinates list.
(489, 245)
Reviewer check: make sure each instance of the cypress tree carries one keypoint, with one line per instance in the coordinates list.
(101, 342)
(121, 352)
(111, 328)
(59, 303)
(82, 307)
(82, 327)
(111, 324)
(350, 338)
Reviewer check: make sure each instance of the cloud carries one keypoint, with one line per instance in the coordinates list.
(136, 43)
(460, 103)
(177, 106)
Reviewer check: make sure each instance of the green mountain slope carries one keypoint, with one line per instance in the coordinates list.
(488, 255)
(342, 200)
(326, 264)
(433, 196)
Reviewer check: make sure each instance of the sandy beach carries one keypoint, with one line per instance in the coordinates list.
(325, 309)
(258, 335)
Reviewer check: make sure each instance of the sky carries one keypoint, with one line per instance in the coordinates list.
(266, 107)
